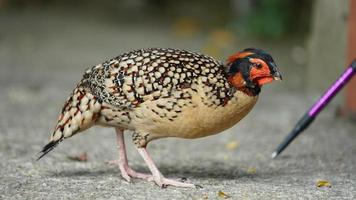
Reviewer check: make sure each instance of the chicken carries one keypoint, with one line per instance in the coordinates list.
(158, 93)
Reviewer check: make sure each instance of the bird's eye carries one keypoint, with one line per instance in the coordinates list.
(258, 65)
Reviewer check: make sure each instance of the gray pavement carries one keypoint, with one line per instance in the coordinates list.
(40, 63)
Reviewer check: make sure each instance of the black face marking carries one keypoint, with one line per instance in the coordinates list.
(259, 53)
(263, 55)
(243, 66)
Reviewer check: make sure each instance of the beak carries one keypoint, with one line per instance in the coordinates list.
(276, 75)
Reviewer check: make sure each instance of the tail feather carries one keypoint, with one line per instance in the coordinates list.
(49, 147)
(80, 112)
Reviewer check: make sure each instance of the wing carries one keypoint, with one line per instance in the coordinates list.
(133, 77)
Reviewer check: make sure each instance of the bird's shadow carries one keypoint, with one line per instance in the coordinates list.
(211, 171)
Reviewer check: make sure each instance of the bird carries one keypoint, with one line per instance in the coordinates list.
(156, 93)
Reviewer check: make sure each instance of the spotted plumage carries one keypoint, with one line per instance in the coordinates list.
(160, 92)
(137, 76)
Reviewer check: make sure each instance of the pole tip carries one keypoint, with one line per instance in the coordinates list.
(353, 64)
(274, 154)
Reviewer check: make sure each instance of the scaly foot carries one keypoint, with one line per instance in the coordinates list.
(127, 172)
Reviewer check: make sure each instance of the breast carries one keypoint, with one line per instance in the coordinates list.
(197, 119)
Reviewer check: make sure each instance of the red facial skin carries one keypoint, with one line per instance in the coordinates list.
(260, 73)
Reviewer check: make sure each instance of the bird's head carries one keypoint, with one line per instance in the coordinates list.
(252, 68)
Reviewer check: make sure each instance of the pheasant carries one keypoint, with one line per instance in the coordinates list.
(158, 93)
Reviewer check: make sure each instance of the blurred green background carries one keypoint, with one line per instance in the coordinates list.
(253, 18)
(41, 37)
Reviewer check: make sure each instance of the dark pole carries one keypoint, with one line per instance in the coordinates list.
(318, 106)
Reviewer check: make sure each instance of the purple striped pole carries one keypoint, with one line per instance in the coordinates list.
(318, 106)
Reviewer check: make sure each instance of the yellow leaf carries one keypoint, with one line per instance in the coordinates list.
(232, 145)
(323, 183)
(252, 170)
(222, 194)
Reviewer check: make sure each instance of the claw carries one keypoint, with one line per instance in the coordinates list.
(183, 179)
(165, 182)
(126, 177)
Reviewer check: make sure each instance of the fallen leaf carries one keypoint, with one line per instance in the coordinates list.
(205, 196)
(222, 194)
(82, 157)
(252, 170)
(323, 183)
(232, 145)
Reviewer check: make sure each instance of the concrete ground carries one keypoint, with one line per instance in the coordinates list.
(41, 59)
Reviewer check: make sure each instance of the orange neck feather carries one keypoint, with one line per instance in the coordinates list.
(239, 83)
(237, 80)
(236, 56)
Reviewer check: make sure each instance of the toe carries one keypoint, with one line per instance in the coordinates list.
(126, 177)
(139, 175)
(177, 183)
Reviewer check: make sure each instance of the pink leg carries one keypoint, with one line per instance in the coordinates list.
(158, 178)
(126, 170)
